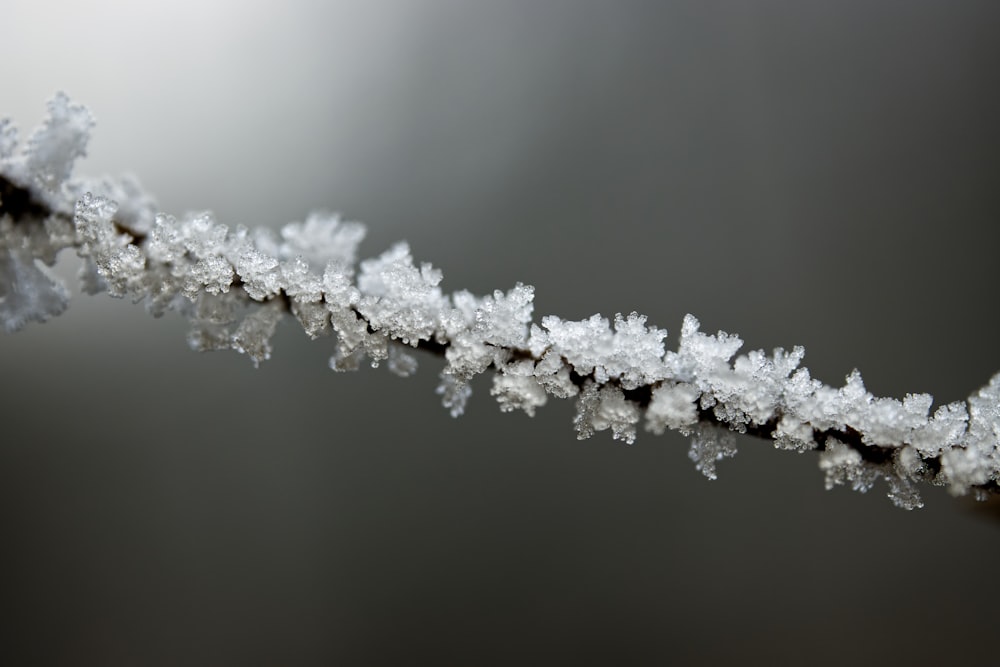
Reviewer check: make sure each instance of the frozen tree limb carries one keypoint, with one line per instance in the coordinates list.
(235, 285)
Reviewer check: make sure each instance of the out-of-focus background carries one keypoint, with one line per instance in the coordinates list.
(805, 172)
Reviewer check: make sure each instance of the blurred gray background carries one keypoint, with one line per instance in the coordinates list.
(814, 173)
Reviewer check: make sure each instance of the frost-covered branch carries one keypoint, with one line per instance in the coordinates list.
(235, 285)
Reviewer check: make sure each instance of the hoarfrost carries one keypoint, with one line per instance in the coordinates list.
(467, 356)
(614, 411)
(710, 445)
(8, 141)
(120, 264)
(632, 354)
(903, 494)
(555, 377)
(844, 465)
(673, 406)
(55, 146)
(401, 362)
(194, 252)
(305, 290)
(503, 319)
(235, 285)
(702, 359)
(793, 434)
(260, 273)
(137, 208)
(253, 336)
(211, 316)
(45, 163)
(943, 431)
(321, 239)
(454, 393)
(517, 389)
(400, 299)
(587, 404)
(584, 345)
(27, 291)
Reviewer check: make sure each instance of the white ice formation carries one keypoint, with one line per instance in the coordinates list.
(235, 285)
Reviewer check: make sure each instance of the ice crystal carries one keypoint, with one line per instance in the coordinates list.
(27, 291)
(585, 345)
(305, 289)
(400, 299)
(321, 239)
(793, 434)
(616, 412)
(211, 317)
(700, 358)
(194, 251)
(35, 186)
(137, 208)
(555, 377)
(710, 445)
(120, 264)
(587, 404)
(517, 389)
(253, 336)
(903, 494)
(45, 162)
(454, 393)
(844, 465)
(8, 141)
(673, 406)
(259, 273)
(401, 362)
(636, 356)
(503, 319)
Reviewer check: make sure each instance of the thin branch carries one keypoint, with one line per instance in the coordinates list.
(236, 285)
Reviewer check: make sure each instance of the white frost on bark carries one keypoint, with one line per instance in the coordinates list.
(235, 285)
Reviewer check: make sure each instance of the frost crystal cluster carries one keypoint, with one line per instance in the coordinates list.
(235, 285)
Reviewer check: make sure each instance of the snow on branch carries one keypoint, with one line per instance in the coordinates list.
(235, 285)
